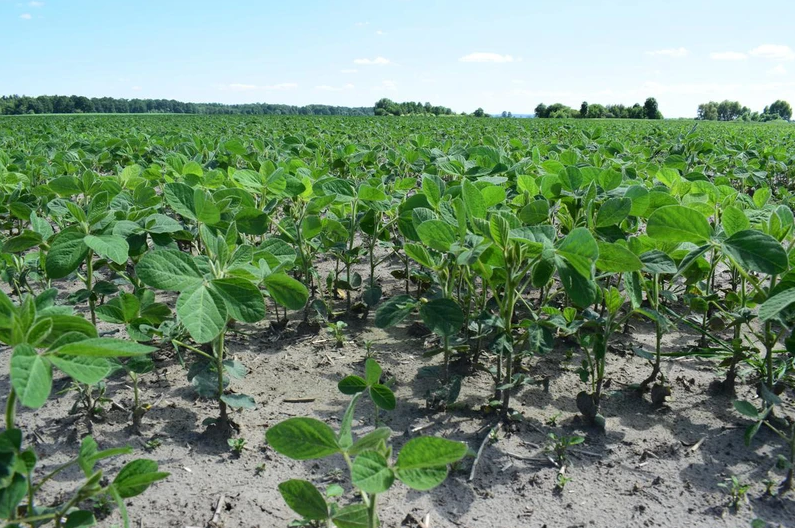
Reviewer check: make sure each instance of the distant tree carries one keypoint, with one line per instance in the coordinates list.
(782, 109)
(541, 110)
(504, 113)
(510, 114)
(584, 109)
(651, 109)
(479, 113)
(708, 111)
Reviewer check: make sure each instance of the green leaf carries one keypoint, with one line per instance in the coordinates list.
(203, 312)
(104, 347)
(774, 305)
(302, 439)
(370, 441)
(136, 476)
(351, 385)
(616, 258)
(80, 519)
(473, 199)
(304, 499)
(747, 409)
(239, 401)
(168, 269)
(179, 197)
(756, 251)
(88, 370)
(436, 234)
(383, 397)
(677, 223)
(371, 473)
(394, 310)
(580, 243)
(286, 291)
(160, 223)
(112, 247)
(422, 463)
(442, 316)
(372, 371)
(243, 299)
(582, 290)
(22, 242)
(613, 212)
(31, 376)
(734, 220)
(345, 438)
(67, 252)
(353, 516)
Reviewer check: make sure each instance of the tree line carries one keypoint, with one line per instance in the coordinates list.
(386, 107)
(733, 110)
(76, 104)
(649, 110)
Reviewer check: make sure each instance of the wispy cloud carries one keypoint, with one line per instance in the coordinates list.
(25, 16)
(136, 88)
(690, 88)
(728, 56)
(349, 70)
(362, 24)
(379, 32)
(241, 87)
(669, 52)
(389, 85)
(327, 88)
(779, 69)
(36, 4)
(773, 52)
(378, 61)
(481, 56)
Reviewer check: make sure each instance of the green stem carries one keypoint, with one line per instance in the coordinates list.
(219, 365)
(11, 405)
(89, 282)
(372, 515)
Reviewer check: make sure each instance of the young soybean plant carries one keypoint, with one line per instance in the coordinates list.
(421, 464)
(41, 337)
(215, 289)
(382, 396)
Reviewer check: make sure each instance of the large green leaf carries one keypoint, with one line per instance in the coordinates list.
(286, 291)
(756, 251)
(422, 463)
(443, 317)
(31, 376)
(112, 247)
(302, 439)
(436, 234)
(617, 258)
(734, 220)
(304, 499)
(581, 289)
(85, 369)
(677, 223)
(581, 243)
(613, 211)
(243, 299)
(774, 305)
(371, 473)
(67, 252)
(473, 199)
(168, 269)
(180, 197)
(104, 347)
(136, 476)
(394, 310)
(352, 516)
(203, 312)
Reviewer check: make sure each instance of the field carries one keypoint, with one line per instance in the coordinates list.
(431, 322)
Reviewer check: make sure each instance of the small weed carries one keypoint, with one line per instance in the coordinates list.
(337, 331)
(237, 445)
(559, 446)
(737, 491)
(153, 444)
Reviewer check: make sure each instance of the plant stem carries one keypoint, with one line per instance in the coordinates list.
(372, 515)
(11, 404)
(89, 281)
(219, 365)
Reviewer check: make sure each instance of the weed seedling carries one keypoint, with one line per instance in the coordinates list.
(237, 445)
(737, 491)
(337, 331)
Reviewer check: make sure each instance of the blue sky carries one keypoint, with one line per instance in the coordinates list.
(501, 55)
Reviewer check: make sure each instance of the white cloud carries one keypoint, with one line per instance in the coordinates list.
(777, 70)
(241, 87)
(36, 4)
(728, 56)
(517, 81)
(136, 88)
(773, 52)
(378, 61)
(690, 88)
(543, 93)
(362, 24)
(327, 88)
(486, 57)
(379, 32)
(669, 52)
(349, 70)
(25, 16)
(389, 85)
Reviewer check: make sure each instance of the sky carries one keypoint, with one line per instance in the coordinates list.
(499, 55)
